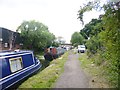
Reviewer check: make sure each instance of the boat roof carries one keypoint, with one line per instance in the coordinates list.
(8, 53)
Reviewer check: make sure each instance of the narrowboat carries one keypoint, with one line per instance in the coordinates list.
(50, 53)
(60, 51)
(15, 66)
(53, 53)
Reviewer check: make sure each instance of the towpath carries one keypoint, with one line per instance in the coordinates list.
(73, 75)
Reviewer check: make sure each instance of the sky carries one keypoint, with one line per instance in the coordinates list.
(59, 15)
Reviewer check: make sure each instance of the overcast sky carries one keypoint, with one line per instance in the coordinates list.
(59, 15)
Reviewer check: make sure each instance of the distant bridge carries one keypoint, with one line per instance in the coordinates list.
(66, 45)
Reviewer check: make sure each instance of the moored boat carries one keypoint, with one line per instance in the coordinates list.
(15, 66)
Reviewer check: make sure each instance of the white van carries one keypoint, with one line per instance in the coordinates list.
(81, 48)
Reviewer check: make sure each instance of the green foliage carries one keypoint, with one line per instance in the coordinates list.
(35, 35)
(106, 43)
(77, 39)
(112, 40)
(93, 44)
(47, 77)
(87, 7)
(92, 28)
(56, 44)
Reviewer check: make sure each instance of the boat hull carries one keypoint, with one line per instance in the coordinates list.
(13, 79)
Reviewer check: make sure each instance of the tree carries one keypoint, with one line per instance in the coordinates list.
(110, 36)
(92, 28)
(35, 35)
(76, 39)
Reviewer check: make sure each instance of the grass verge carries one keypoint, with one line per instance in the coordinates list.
(47, 77)
(96, 73)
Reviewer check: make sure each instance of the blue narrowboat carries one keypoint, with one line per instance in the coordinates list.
(15, 66)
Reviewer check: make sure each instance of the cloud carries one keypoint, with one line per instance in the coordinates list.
(59, 15)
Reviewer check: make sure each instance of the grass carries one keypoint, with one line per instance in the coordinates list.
(96, 73)
(47, 77)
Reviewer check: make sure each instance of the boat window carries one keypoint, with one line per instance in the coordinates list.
(15, 64)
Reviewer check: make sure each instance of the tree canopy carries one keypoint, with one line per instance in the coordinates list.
(35, 35)
(92, 28)
(77, 39)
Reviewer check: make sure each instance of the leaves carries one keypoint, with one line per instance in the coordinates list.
(105, 38)
(92, 28)
(77, 39)
(35, 35)
(87, 7)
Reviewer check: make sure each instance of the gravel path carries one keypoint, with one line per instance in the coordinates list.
(73, 75)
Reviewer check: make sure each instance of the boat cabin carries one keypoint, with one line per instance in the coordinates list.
(15, 66)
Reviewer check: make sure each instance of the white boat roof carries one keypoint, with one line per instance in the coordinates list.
(12, 53)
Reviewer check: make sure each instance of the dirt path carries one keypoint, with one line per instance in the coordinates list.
(73, 76)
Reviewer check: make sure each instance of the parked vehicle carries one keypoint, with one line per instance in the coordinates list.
(15, 66)
(81, 48)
